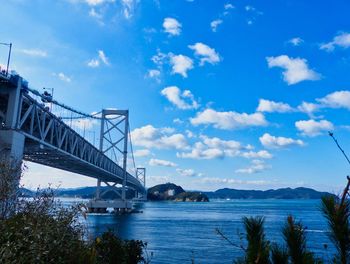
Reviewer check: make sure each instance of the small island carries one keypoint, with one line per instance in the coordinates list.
(173, 192)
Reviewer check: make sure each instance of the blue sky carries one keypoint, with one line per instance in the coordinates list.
(235, 94)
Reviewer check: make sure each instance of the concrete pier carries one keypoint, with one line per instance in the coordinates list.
(118, 206)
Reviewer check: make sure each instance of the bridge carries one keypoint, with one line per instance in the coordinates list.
(36, 128)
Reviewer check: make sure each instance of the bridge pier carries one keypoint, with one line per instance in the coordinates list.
(101, 206)
(11, 149)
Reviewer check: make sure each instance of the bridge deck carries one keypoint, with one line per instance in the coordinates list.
(49, 141)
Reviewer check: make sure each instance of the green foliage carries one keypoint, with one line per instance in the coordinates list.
(279, 255)
(295, 238)
(111, 249)
(258, 247)
(42, 232)
(337, 213)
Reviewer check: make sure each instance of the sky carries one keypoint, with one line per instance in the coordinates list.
(237, 93)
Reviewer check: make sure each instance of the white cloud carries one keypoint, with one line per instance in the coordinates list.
(93, 13)
(151, 137)
(128, 7)
(96, 2)
(83, 124)
(142, 153)
(341, 40)
(93, 63)
(63, 77)
(295, 69)
(228, 120)
(159, 58)
(215, 23)
(186, 172)
(270, 141)
(178, 121)
(262, 154)
(313, 128)
(34, 52)
(271, 107)
(182, 100)
(154, 74)
(172, 26)
(338, 99)
(217, 180)
(180, 64)
(206, 53)
(308, 108)
(212, 148)
(164, 163)
(103, 57)
(256, 166)
(228, 6)
(296, 41)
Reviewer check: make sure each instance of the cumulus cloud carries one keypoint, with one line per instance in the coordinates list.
(172, 26)
(213, 148)
(270, 141)
(256, 166)
(341, 40)
(63, 77)
(154, 74)
(181, 64)
(182, 100)
(206, 53)
(215, 23)
(308, 108)
(296, 41)
(312, 127)
(142, 152)
(159, 138)
(186, 172)
(295, 69)
(271, 107)
(262, 154)
(228, 120)
(164, 163)
(338, 99)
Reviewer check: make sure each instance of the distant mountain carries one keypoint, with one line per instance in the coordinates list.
(284, 193)
(83, 192)
(173, 192)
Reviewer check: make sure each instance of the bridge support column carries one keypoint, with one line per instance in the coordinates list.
(11, 154)
(11, 149)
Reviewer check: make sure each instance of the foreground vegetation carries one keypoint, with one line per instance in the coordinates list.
(258, 250)
(41, 230)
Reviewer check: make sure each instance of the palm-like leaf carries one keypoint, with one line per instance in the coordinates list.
(295, 238)
(258, 247)
(279, 255)
(337, 213)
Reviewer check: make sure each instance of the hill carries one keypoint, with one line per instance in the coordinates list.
(283, 193)
(173, 192)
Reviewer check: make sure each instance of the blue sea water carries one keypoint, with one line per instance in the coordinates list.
(178, 232)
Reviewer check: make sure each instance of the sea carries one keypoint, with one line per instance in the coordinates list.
(185, 232)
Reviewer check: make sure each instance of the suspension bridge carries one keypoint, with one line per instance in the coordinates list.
(34, 127)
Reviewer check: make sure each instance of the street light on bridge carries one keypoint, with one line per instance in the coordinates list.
(9, 56)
